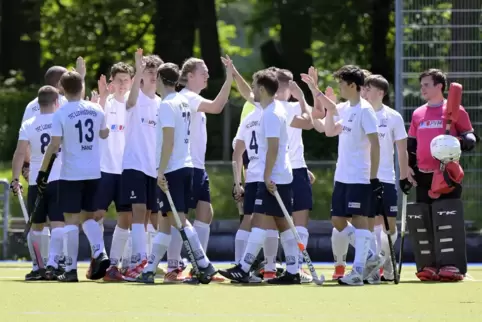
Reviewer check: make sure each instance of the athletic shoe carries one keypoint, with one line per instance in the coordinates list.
(132, 273)
(206, 274)
(38, 275)
(160, 272)
(69, 277)
(305, 277)
(51, 273)
(88, 274)
(374, 278)
(388, 275)
(286, 279)
(100, 266)
(428, 274)
(113, 275)
(174, 276)
(450, 274)
(372, 265)
(235, 273)
(339, 272)
(146, 278)
(267, 275)
(352, 279)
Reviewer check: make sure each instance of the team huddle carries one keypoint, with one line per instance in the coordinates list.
(146, 154)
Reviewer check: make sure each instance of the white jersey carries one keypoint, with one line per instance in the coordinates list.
(274, 124)
(79, 123)
(175, 112)
(248, 132)
(37, 131)
(353, 164)
(33, 108)
(112, 148)
(141, 137)
(198, 136)
(295, 139)
(391, 128)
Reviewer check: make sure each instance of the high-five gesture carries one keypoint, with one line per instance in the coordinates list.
(138, 59)
(228, 63)
(80, 67)
(308, 79)
(102, 86)
(330, 93)
(296, 91)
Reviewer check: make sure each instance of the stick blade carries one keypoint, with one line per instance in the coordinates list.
(454, 100)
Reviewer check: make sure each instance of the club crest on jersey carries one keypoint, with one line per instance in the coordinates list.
(346, 129)
(352, 117)
(117, 127)
(148, 122)
(383, 122)
(431, 124)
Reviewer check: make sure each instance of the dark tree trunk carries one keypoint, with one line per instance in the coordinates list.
(174, 30)
(20, 34)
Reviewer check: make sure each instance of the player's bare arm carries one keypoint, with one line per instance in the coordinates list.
(243, 87)
(17, 162)
(166, 152)
(374, 154)
(217, 105)
(51, 150)
(136, 84)
(239, 148)
(271, 154)
(103, 91)
(303, 121)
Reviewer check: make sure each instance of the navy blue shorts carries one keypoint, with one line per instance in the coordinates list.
(109, 191)
(48, 206)
(77, 196)
(250, 190)
(200, 187)
(180, 188)
(266, 203)
(138, 188)
(302, 194)
(350, 199)
(389, 204)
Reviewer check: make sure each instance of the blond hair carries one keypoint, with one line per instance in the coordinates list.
(189, 66)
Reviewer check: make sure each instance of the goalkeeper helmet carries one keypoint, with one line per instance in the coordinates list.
(445, 148)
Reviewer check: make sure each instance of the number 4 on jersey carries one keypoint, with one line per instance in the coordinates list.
(253, 144)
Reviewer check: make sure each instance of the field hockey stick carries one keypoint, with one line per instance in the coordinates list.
(35, 246)
(185, 240)
(236, 182)
(390, 244)
(318, 281)
(402, 234)
(39, 195)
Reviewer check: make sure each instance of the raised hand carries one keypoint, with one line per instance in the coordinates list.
(228, 63)
(80, 67)
(102, 86)
(313, 72)
(308, 80)
(94, 97)
(138, 59)
(330, 93)
(296, 91)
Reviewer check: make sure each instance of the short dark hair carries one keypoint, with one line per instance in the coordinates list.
(437, 75)
(351, 74)
(268, 80)
(53, 74)
(71, 82)
(284, 76)
(366, 73)
(377, 81)
(123, 68)
(152, 61)
(169, 74)
(47, 95)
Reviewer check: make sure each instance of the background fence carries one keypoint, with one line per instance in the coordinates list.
(445, 35)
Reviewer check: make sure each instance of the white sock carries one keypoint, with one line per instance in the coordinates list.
(160, 243)
(385, 247)
(362, 246)
(254, 244)
(199, 254)
(127, 253)
(378, 233)
(72, 233)
(270, 248)
(94, 235)
(373, 242)
(174, 250)
(56, 244)
(203, 230)
(101, 226)
(304, 235)
(64, 248)
(240, 244)
(291, 250)
(151, 234)
(139, 243)
(119, 240)
(339, 246)
(33, 237)
(45, 245)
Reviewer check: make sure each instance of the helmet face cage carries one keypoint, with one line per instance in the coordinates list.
(445, 148)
